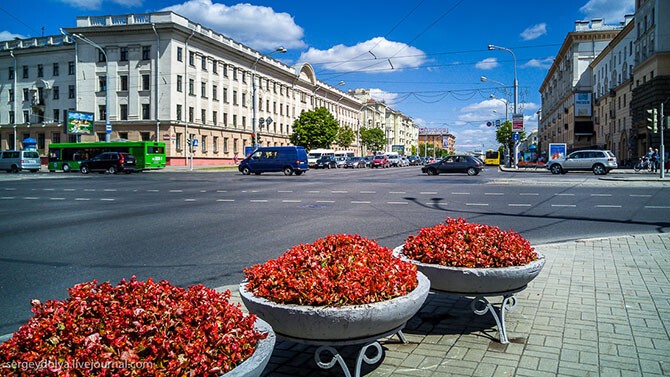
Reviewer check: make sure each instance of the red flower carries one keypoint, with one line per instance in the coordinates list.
(336, 270)
(132, 329)
(461, 244)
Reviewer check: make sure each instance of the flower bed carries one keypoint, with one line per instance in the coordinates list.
(457, 243)
(336, 270)
(135, 328)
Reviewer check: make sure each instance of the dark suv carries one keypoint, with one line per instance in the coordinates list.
(110, 162)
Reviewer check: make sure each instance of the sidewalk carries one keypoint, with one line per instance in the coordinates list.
(600, 307)
(614, 175)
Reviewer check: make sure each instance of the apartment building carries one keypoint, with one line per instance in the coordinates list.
(158, 76)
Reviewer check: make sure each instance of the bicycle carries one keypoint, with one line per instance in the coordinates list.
(643, 164)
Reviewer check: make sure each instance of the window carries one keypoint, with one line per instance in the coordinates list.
(70, 68)
(123, 135)
(178, 141)
(56, 92)
(102, 112)
(124, 82)
(25, 71)
(56, 116)
(146, 113)
(11, 95)
(40, 70)
(190, 114)
(215, 144)
(179, 112)
(204, 143)
(225, 119)
(26, 119)
(146, 52)
(203, 116)
(203, 63)
(235, 73)
(102, 83)
(244, 77)
(180, 54)
(191, 58)
(215, 94)
(225, 70)
(124, 54)
(11, 117)
(179, 84)
(72, 138)
(101, 56)
(123, 110)
(203, 89)
(55, 137)
(26, 94)
(145, 136)
(11, 73)
(145, 82)
(215, 66)
(244, 100)
(190, 87)
(101, 136)
(225, 145)
(235, 120)
(234, 97)
(225, 95)
(215, 116)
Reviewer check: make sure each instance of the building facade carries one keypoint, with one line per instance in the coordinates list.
(162, 77)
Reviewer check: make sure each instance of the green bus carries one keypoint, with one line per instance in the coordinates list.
(67, 156)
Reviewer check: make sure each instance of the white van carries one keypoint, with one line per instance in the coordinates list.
(394, 158)
(316, 154)
(344, 154)
(15, 161)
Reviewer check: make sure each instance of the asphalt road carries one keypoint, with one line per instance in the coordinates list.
(57, 230)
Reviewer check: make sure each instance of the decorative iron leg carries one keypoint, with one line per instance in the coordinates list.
(508, 303)
(337, 358)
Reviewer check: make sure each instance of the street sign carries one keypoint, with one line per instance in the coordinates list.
(515, 136)
(489, 124)
(108, 128)
(195, 142)
(261, 121)
(269, 121)
(517, 122)
(497, 122)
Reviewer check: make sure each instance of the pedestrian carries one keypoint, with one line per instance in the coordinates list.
(653, 160)
(235, 159)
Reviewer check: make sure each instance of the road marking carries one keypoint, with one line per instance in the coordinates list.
(563, 194)
(89, 190)
(563, 205)
(176, 190)
(314, 192)
(325, 201)
(189, 200)
(518, 205)
(396, 203)
(258, 201)
(339, 192)
(640, 195)
(460, 193)
(477, 204)
(10, 189)
(69, 190)
(494, 193)
(657, 207)
(397, 192)
(428, 192)
(7, 197)
(601, 194)
(249, 190)
(109, 190)
(56, 198)
(436, 203)
(221, 190)
(30, 198)
(359, 202)
(368, 192)
(48, 189)
(225, 200)
(153, 190)
(608, 206)
(529, 194)
(203, 191)
(82, 199)
(284, 190)
(291, 201)
(107, 199)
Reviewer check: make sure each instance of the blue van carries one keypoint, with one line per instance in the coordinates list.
(288, 160)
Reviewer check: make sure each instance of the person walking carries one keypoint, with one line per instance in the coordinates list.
(654, 160)
(235, 159)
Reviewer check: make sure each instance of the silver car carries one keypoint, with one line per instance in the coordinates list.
(15, 161)
(599, 161)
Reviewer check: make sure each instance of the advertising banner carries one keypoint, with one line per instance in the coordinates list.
(557, 150)
(517, 122)
(79, 123)
(583, 104)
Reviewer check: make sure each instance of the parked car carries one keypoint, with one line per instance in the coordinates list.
(110, 162)
(289, 160)
(15, 161)
(380, 161)
(403, 161)
(415, 160)
(454, 164)
(355, 162)
(394, 159)
(326, 162)
(368, 160)
(341, 161)
(600, 162)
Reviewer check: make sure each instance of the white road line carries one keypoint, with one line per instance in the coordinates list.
(428, 192)
(460, 193)
(69, 190)
(221, 190)
(176, 190)
(657, 207)
(109, 190)
(225, 200)
(284, 190)
(153, 190)
(494, 193)
(607, 206)
(640, 195)
(189, 200)
(529, 194)
(10, 189)
(436, 203)
(291, 201)
(563, 205)
(48, 189)
(601, 194)
(325, 201)
(30, 198)
(477, 204)
(258, 201)
(7, 197)
(89, 190)
(107, 199)
(203, 191)
(368, 192)
(56, 198)
(360, 202)
(82, 199)
(339, 192)
(518, 205)
(397, 192)
(564, 194)
(396, 203)
(314, 192)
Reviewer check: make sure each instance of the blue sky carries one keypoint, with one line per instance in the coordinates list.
(423, 57)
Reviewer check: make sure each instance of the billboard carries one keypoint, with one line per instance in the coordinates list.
(557, 150)
(517, 122)
(583, 104)
(399, 149)
(79, 123)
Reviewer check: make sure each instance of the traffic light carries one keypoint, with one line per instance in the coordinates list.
(652, 119)
(253, 136)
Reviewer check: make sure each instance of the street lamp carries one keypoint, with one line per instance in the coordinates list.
(485, 79)
(503, 101)
(516, 93)
(253, 105)
(107, 123)
(11, 52)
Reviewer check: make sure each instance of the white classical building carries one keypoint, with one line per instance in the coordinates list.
(161, 77)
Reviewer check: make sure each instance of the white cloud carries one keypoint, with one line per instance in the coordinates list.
(488, 63)
(612, 11)
(242, 22)
(381, 95)
(539, 63)
(97, 4)
(534, 32)
(8, 36)
(343, 58)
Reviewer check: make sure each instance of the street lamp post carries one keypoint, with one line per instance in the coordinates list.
(104, 53)
(253, 104)
(503, 101)
(516, 94)
(14, 99)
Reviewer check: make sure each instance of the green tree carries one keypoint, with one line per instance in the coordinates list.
(345, 136)
(373, 139)
(504, 136)
(314, 129)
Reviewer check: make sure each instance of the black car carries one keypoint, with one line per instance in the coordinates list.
(110, 162)
(326, 162)
(454, 164)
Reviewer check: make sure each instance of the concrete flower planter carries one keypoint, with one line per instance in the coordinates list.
(477, 280)
(254, 366)
(337, 323)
